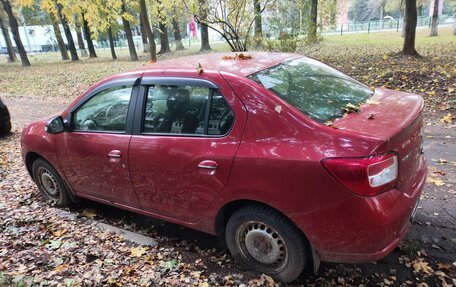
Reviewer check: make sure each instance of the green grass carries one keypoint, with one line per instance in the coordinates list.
(390, 38)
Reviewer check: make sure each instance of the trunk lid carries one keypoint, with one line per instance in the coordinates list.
(397, 118)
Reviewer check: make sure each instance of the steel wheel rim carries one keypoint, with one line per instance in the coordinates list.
(261, 243)
(48, 183)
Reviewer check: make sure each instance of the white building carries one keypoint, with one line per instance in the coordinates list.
(37, 38)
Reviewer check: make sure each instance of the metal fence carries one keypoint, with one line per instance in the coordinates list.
(388, 24)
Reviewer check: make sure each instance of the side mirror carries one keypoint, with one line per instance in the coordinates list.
(54, 126)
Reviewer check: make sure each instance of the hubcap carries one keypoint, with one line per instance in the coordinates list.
(263, 244)
(48, 183)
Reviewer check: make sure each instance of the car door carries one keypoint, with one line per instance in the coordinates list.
(94, 157)
(184, 145)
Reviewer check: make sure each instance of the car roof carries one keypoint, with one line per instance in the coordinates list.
(224, 62)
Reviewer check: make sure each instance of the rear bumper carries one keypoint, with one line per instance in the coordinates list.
(363, 229)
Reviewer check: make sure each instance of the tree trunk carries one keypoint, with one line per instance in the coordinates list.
(410, 19)
(58, 37)
(149, 33)
(177, 35)
(80, 39)
(69, 37)
(312, 36)
(146, 47)
(382, 9)
(454, 25)
(15, 31)
(204, 29)
(435, 19)
(258, 23)
(164, 42)
(420, 10)
(9, 44)
(88, 36)
(127, 29)
(111, 44)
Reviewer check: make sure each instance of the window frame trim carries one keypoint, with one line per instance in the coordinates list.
(133, 82)
(175, 81)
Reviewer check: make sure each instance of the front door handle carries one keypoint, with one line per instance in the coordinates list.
(115, 154)
(208, 164)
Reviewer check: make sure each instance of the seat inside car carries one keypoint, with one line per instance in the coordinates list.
(178, 118)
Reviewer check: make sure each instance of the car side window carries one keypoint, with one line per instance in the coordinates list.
(183, 110)
(221, 116)
(176, 109)
(106, 111)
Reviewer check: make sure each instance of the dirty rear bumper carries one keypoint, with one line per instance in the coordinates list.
(363, 229)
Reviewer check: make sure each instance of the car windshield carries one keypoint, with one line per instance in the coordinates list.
(316, 89)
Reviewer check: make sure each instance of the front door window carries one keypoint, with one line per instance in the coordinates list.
(105, 112)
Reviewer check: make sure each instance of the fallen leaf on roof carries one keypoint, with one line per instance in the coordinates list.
(199, 69)
(351, 108)
(243, 56)
(372, 102)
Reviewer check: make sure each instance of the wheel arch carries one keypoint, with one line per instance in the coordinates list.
(229, 208)
(30, 157)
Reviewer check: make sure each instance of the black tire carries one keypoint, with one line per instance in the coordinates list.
(283, 246)
(6, 128)
(50, 183)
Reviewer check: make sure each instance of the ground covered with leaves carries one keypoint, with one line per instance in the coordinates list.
(40, 246)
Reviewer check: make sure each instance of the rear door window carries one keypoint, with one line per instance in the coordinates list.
(186, 110)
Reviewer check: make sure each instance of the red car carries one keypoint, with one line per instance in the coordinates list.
(292, 160)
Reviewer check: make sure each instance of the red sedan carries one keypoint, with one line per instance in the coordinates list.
(292, 160)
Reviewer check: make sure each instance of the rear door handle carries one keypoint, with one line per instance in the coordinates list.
(208, 164)
(115, 153)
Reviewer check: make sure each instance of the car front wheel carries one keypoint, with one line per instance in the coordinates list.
(50, 184)
(260, 238)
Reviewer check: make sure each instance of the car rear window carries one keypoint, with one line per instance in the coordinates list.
(314, 88)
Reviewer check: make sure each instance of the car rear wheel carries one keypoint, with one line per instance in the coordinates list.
(262, 239)
(50, 184)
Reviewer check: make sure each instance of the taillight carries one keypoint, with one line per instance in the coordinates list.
(366, 176)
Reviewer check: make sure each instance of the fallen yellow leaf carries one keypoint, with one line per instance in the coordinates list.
(441, 265)
(138, 251)
(61, 267)
(447, 119)
(420, 265)
(60, 232)
(435, 181)
(89, 213)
